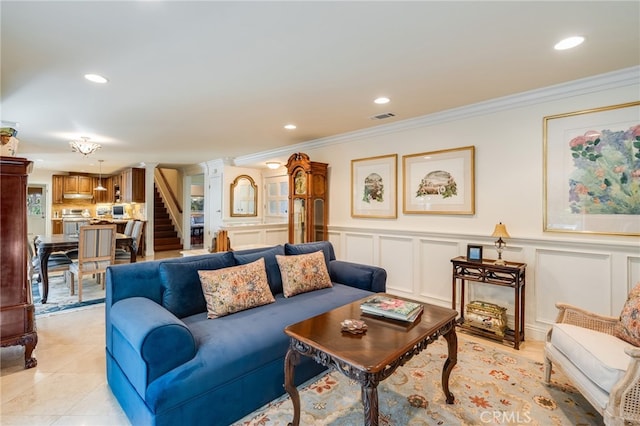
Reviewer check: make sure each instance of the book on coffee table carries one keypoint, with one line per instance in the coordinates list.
(391, 307)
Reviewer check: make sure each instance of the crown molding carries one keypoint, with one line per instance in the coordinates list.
(612, 80)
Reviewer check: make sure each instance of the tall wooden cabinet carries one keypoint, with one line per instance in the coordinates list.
(308, 209)
(132, 185)
(17, 313)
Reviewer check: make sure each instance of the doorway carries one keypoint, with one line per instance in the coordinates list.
(197, 211)
(36, 210)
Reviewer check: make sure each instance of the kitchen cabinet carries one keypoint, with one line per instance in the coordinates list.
(132, 186)
(17, 313)
(78, 184)
(56, 226)
(57, 189)
(103, 196)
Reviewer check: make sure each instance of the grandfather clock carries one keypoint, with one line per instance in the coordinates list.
(308, 209)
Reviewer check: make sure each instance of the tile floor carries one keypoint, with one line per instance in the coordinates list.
(69, 386)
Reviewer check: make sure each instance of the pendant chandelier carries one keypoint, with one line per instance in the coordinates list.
(100, 187)
(84, 147)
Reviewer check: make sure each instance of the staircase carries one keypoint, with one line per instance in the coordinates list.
(165, 236)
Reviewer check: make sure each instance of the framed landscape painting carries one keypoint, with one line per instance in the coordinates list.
(439, 182)
(374, 187)
(592, 171)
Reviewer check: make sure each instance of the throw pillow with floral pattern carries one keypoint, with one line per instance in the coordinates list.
(628, 328)
(303, 272)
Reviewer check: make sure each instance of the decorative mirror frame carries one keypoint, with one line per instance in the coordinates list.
(234, 186)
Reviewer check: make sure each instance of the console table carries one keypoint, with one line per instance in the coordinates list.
(511, 274)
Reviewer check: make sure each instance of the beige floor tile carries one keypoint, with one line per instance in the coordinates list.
(91, 420)
(18, 420)
(55, 394)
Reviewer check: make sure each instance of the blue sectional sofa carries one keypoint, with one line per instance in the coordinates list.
(167, 364)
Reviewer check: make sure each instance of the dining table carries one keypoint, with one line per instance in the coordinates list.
(47, 244)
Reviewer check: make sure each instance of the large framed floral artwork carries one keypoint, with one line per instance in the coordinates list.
(439, 182)
(592, 171)
(374, 187)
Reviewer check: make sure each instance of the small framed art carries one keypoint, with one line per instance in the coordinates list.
(374, 187)
(474, 253)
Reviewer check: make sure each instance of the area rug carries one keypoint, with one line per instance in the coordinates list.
(59, 298)
(490, 387)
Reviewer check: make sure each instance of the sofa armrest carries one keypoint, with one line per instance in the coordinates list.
(148, 340)
(623, 406)
(570, 314)
(366, 277)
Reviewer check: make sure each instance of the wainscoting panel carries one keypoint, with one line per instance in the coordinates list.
(579, 278)
(359, 248)
(435, 270)
(396, 256)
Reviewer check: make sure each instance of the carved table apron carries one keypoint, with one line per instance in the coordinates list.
(368, 362)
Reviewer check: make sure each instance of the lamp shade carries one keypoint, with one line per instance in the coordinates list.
(500, 231)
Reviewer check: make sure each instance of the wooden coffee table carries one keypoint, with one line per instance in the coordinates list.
(371, 357)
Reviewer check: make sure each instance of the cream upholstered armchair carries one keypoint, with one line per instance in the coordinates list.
(602, 366)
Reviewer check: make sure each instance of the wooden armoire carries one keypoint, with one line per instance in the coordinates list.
(17, 313)
(308, 192)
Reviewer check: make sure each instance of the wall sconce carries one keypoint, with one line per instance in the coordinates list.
(500, 231)
(84, 147)
(273, 165)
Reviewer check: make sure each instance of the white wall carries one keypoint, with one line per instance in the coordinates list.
(593, 271)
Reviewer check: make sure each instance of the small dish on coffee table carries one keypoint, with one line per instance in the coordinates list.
(354, 326)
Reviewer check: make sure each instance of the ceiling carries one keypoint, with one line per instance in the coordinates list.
(197, 81)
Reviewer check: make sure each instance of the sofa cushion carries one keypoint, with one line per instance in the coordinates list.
(182, 292)
(303, 273)
(269, 255)
(628, 327)
(235, 289)
(599, 356)
(306, 248)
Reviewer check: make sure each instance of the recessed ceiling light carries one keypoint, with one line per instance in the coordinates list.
(290, 126)
(569, 43)
(96, 78)
(381, 100)
(273, 165)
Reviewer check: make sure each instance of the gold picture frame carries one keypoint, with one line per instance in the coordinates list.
(439, 182)
(591, 174)
(374, 187)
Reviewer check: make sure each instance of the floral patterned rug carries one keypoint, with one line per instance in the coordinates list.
(490, 387)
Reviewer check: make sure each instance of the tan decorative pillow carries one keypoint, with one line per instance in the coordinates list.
(302, 273)
(628, 328)
(235, 289)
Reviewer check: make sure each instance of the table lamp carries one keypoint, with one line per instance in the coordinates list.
(500, 231)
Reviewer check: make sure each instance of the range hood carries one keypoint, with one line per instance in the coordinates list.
(76, 196)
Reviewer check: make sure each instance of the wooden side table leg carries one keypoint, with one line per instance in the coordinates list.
(452, 359)
(290, 361)
(370, 404)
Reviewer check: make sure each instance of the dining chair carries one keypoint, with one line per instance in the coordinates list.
(124, 256)
(128, 228)
(57, 262)
(96, 251)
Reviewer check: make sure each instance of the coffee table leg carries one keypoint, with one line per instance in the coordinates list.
(452, 360)
(290, 361)
(370, 404)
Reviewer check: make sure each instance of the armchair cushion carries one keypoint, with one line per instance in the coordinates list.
(628, 328)
(599, 356)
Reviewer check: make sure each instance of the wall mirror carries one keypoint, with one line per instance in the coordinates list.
(244, 197)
